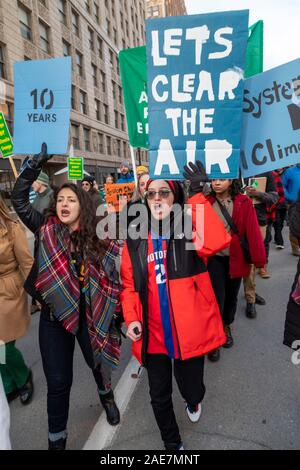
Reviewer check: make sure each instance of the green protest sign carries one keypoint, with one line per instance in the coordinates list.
(75, 168)
(133, 67)
(6, 143)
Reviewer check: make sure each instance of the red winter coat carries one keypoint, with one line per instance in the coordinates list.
(244, 217)
(195, 310)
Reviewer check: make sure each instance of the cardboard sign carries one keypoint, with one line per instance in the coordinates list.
(75, 168)
(260, 185)
(118, 195)
(271, 120)
(6, 143)
(195, 69)
(42, 105)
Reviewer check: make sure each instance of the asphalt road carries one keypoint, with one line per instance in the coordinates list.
(252, 399)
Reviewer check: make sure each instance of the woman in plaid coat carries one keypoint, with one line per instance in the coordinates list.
(74, 277)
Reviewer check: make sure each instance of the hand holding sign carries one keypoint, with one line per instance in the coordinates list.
(197, 176)
(38, 160)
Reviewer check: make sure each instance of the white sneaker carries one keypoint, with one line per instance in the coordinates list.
(279, 247)
(194, 412)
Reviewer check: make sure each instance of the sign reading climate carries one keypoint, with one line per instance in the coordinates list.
(195, 84)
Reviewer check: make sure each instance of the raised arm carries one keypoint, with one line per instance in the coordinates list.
(20, 194)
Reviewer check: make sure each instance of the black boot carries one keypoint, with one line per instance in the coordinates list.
(26, 392)
(259, 300)
(60, 444)
(111, 409)
(214, 355)
(250, 310)
(229, 338)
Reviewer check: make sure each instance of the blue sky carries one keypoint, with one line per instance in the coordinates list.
(281, 23)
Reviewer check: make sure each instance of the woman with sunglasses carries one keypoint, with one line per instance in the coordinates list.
(168, 302)
(75, 279)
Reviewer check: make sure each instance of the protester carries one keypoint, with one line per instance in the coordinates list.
(126, 175)
(168, 302)
(141, 169)
(4, 420)
(276, 214)
(291, 183)
(228, 267)
(292, 321)
(109, 179)
(15, 265)
(269, 196)
(88, 185)
(139, 194)
(44, 193)
(75, 278)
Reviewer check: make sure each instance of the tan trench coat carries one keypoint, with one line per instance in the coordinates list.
(15, 264)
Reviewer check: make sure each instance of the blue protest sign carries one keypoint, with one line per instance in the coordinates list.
(42, 105)
(271, 120)
(195, 85)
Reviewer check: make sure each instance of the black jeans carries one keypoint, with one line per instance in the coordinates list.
(268, 239)
(57, 350)
(226, 289)
(189, 378)
(278, 226)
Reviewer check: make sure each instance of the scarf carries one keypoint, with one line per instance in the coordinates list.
(59, 286)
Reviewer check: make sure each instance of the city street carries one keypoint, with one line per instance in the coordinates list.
(252, 399)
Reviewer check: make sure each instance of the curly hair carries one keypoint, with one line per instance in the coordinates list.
(85, 240)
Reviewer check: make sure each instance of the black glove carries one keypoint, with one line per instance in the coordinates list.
(197, 176)
(38, 160)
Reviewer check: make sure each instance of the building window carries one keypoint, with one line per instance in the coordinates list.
(122, 19)
(100, 48)
(119, 147)
(114, 89)
(94, 74)
(75, 136)
(100, 143)
(98, 109)
(75, 23)
(105, 113)
(120, 95)
(108, 27)
(87, 139)
(115, 36)
(91, 39)
(79, 63)
(122, 122)
(2, 64)
(43, 2)
(44, 38)
(62, 11)
(87, 6)
(73, 97)
(124, 149)
(123, 44)
(82, 95)
(66, 48)
(111, 59)
(25, 25)
(127, 28)
(108, 145)
(103, 81)
(96, 10)
(116, 120)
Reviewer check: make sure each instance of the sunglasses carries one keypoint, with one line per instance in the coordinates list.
(163, 193)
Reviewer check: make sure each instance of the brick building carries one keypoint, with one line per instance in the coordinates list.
(92, 32)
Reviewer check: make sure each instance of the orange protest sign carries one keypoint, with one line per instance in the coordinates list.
(117, 195)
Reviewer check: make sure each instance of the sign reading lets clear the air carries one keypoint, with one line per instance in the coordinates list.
(195, 88)
(271, 120)
(75, 168)
(42, 105)
(6, 144)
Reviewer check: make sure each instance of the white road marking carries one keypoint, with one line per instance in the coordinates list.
(103, 434)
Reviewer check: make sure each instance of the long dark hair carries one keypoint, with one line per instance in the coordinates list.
(85, 240)
(235, 189)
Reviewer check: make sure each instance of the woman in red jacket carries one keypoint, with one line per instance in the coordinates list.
(168, 302)
(229, 266)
